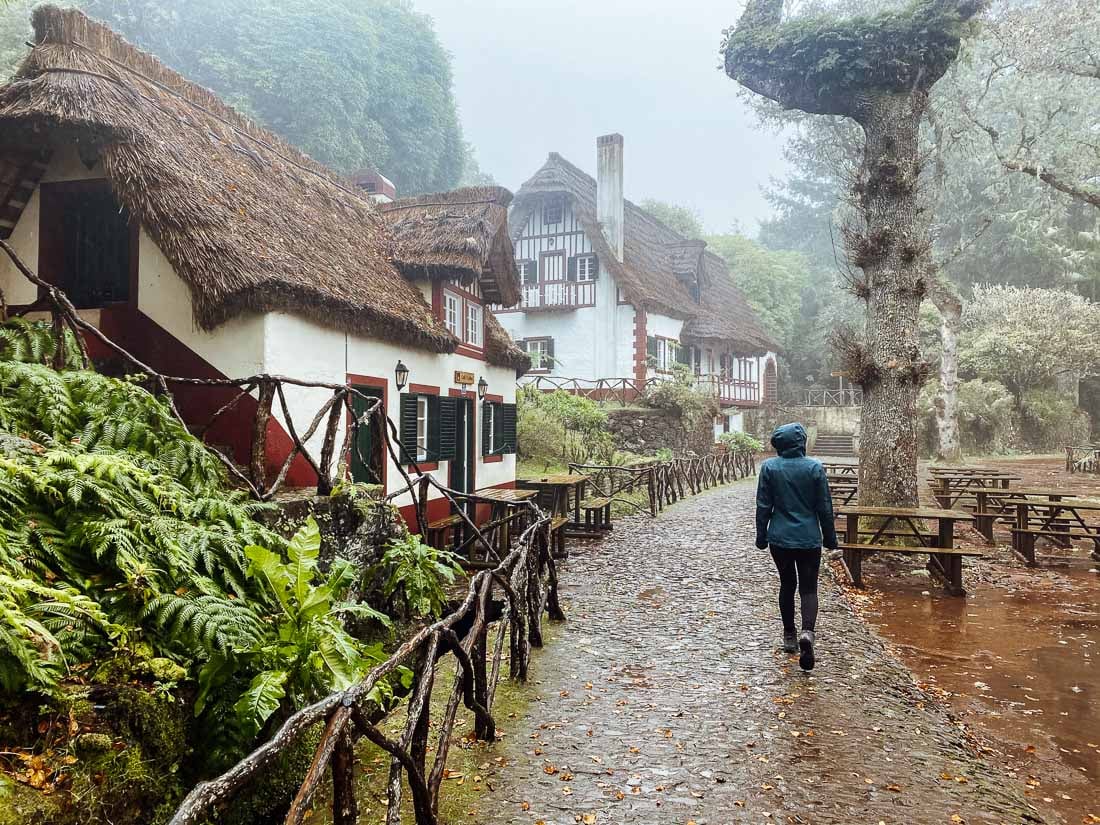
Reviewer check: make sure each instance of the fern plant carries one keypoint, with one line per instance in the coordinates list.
(416, 572)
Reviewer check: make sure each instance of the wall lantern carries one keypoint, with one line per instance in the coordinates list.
(401, 375)
(482, 389)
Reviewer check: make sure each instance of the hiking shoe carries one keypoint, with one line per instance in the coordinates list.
(790, 642)
(806, 659)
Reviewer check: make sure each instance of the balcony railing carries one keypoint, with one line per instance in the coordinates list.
(551, 295)
(730, 390)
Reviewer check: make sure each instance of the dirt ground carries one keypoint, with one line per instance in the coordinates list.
(1016, 660)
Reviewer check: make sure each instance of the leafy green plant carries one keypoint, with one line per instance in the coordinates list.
(680, 395)
(33, 342)
(741, 442)
(287, 643)
(664, 454)
(416, 572)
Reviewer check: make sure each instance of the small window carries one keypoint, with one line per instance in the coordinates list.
(584, 268)
(452, 314)
(421, 428)
(474, 324)
(528, 274)
(541, 351)
(552, 212)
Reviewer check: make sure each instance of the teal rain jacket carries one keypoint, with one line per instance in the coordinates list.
(794, 508)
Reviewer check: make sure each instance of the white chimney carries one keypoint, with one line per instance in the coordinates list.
(609, 190)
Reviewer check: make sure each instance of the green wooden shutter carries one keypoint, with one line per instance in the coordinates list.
(573, 268)
(446, 429)
(595, 266)
(486, 413)
(683, 355)
(651, 346)
(498, 429)
(534, 270)
(408, 427)
(508, 428)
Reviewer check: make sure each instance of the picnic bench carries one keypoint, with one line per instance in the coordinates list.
(949, 488)
(561, 495)
(1055, 519)
(506, 511)
(891, 526)
(1083, 459)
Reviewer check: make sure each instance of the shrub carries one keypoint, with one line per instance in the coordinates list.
(1049, 421)
(560, 426)
(741, 442)
(987, 417)
(680, 395)
(539, 436)
(417, 572)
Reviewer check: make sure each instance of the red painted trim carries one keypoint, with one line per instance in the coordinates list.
(423, 466)
(421, 389)
(641, 357)
(470, 351)
(492, 459)
(494, 399)
(384, 385)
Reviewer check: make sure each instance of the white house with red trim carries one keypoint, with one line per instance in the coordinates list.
(209, 248)
(612, 294)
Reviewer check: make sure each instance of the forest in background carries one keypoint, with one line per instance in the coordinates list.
(354, 85)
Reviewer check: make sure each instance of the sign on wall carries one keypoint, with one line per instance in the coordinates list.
(464, 379)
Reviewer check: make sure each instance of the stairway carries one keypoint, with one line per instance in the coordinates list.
(835, 445)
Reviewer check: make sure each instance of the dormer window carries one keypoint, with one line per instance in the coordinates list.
(553, 211)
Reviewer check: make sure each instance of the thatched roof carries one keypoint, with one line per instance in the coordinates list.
(461, 234)
(246, 220)
(501, 350)
(662, 270)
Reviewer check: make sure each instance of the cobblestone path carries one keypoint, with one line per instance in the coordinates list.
(664, 699)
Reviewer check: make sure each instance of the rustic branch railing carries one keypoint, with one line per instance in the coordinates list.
(623, 390)
(831, 398)
(526, 577)
(667, 482)
(1083, 459)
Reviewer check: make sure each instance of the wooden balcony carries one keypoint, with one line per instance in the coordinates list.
(551, 296)
(730, 391)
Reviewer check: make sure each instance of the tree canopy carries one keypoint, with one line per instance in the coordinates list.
(685, 220)
(353, 84)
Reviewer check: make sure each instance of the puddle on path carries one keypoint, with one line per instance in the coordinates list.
(1022, 667)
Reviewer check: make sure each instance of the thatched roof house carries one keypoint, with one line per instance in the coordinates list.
(247, 221)
(661, 270)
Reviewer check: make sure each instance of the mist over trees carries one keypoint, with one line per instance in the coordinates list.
(353, 84)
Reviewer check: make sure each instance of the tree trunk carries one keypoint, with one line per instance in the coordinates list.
(948, 302)
(892, 251)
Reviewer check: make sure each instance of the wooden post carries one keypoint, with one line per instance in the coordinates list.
(257, 468)
(345, 808)
(324, 480)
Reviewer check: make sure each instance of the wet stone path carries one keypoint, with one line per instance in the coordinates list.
(665, 699)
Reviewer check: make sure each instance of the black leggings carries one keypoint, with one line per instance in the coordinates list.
(798, 570)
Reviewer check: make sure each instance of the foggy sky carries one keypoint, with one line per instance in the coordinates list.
(535, 76)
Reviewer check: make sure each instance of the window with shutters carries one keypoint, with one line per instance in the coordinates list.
(583, 268)
(528, 273)
(492, 428)
(541, 351)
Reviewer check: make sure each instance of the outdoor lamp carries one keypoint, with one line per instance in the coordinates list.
(401, 375)
(482, 388)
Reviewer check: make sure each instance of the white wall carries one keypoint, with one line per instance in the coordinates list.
(304, 349)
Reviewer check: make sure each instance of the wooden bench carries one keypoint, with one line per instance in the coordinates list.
(439, 531)
(557, 536)
(945, 561)
(1025, 538)
(597, 513)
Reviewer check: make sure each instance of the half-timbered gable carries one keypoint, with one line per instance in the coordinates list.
(611, 293)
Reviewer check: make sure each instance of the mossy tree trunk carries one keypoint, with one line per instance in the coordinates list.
(892, 239)
(878, 71)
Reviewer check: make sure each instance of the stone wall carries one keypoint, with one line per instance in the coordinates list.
(825, 420)
(645, 432)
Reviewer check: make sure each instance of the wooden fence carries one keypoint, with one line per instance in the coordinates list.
(666, 482)
(1083, 459)
(525, 580)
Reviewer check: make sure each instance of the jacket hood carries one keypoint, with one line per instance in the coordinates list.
(790, 441)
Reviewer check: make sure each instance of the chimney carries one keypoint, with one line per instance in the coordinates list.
(378, 186)
(609, 190)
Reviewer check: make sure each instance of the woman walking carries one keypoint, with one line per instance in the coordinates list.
(794, 517)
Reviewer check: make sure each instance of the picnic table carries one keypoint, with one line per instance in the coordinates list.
(991, 505)
(836, 469)
(950, 488)
(844, 493)
(893, 525)
(500, 520)
(561, 494)
(1054, 518)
